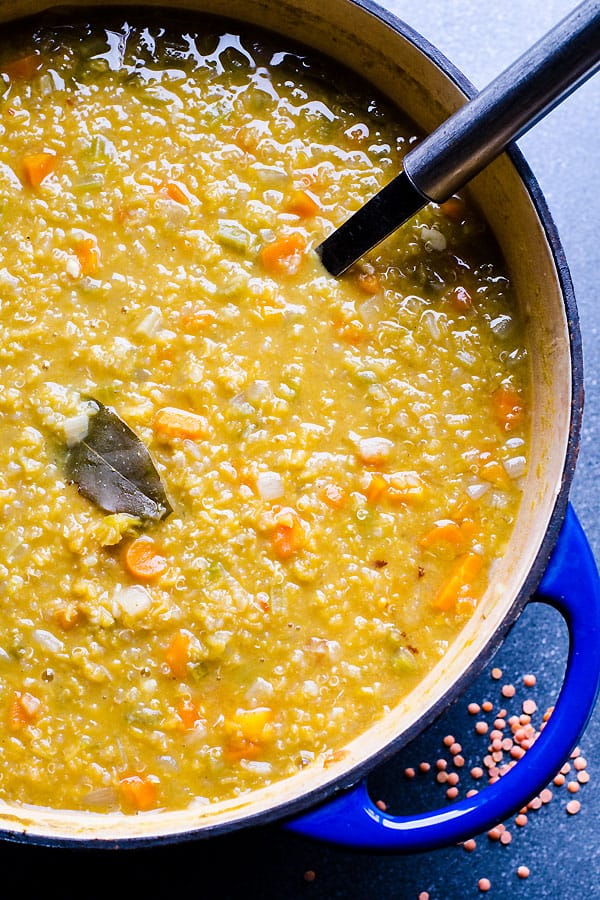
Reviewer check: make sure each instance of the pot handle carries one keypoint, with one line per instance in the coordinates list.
(571, 585)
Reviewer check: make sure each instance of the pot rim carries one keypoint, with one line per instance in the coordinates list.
(298, 804)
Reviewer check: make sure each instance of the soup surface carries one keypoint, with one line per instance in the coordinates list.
(341, 458)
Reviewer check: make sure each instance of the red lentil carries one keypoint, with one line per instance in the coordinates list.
(455, 748)
(484, 884)
(423, 895)
(573, 787)
(521, 820)
(409, 773)
(310, 875)
(487, 706)
(580, 763)
(459, 761)
(476, 772)
(508, 690)
(529, 707)
(452, 793)
(529, 680)
(481, 727)
(449, 740)
(573, 807)
(505, 837)
(496, 674)
(473, 708)
(583, 777)
(469, 845)
(441, 764)
(424, 767)
(381, 804)
(546, 795)
(523, 872)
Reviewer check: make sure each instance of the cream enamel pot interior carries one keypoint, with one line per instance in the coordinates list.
(426, 87)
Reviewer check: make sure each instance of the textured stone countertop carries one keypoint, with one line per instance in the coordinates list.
(561, 851)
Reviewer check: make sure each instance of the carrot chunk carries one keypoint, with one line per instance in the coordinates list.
(38, 166)
(333, 495)
(23, 709)
(177, 654)
(174, 192)
(88, 254)
(171, 422)
(459, 584)
(508, 407)
(287, 540)
(284, 256)
(189, 713)
(368, 282)
(303, 205)
(138, 792)
(144, 560)
(23, 68)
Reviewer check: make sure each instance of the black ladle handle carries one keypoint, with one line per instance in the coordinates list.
(474, 135)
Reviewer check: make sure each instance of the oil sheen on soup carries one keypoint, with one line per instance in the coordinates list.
(343, 457)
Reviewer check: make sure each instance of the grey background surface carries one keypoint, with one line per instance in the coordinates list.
(562, 852)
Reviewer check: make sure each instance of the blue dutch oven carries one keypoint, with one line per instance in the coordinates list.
(547, 561)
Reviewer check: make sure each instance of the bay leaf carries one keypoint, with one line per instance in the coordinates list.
(113, 468)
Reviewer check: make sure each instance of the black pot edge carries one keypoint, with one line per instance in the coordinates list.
(320, 795)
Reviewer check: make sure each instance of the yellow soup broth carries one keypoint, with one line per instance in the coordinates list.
(343, 457)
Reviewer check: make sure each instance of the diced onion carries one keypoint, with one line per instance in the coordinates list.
(270, 485)
(132, 601)
(515, 466)
(477, 490)
(76, 428)
(47, 640)
(374, 450)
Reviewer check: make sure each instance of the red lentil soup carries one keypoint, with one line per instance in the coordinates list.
(342, 459)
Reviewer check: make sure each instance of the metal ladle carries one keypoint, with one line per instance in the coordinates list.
(474, 135)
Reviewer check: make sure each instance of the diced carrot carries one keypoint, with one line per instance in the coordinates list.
(508, 406)
(253, 722)
(170, 422)
(303, 205)
(333, 495)
(23, 68)
(174, 192)
(368, 282)
(284, 256)
(144, 560)
(138, 792)
(88, 254)
(459, 584)
(38, 166)
(248, 730)
(189, 713)
(288, 535)
(177, 654)
(23, 709)
(454, 208)
(198, 319)
(493, 471)
(405, 487)
(460, 299)
(67, 616)
(443, 530)
(377, 488)
(350, 330)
